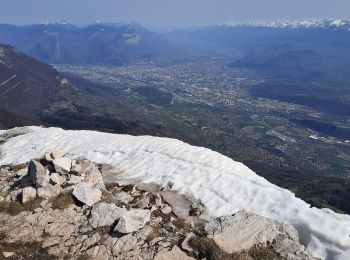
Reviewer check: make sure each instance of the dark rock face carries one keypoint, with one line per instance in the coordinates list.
(27, 85)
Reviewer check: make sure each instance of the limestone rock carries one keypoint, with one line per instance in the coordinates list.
(56, 178)
(173, 254)
(248, 229)
(5, 187)
(130, 242)
(73, 179)
(142, 203)
(158, 200)
(51, 241)
(243, 230)
(287, 244)
(103, 214)
(62, 165)
(8, 254)
(22, 172)
(13, 195)
(38, 174)
(149, 187)
(58, 154)
(93, 175)
(181, 205)
(123, 197)
(124, 244)
(28, 194)
(48, 157)
(87, 194)
(99, 252)
(82, 167)
(133, 220)
(89, 242)
(77, 168)
(166, 209)
(49, 191)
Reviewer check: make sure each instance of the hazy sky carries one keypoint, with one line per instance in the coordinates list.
(168, 13)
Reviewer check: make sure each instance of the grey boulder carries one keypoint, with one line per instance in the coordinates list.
(133, 220)
(62, 165)
(49, 191)
(57, 178)
(38, 174)
(87, 193)
(28, 194)
(104, 214)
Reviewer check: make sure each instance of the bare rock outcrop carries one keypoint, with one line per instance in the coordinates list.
(251, 229)
(62, 207)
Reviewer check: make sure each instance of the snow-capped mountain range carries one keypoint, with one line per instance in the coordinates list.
(339, 24)
(224, 186)
(331, 23)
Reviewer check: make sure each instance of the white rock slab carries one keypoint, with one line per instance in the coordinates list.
(62, 165)
(104, 214)
(87, 194)
(28, 194)
(133, 220)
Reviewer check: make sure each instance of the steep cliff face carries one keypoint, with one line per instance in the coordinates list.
(223, 186)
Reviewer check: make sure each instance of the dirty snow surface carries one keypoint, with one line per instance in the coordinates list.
(223, 185)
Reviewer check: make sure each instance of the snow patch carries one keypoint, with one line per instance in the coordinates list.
(223, 185)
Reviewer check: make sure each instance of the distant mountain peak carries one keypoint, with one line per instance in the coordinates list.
(132, 26)
(330, 23)
(61, 22)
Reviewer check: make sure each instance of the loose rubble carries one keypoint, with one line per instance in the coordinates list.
(64, 206)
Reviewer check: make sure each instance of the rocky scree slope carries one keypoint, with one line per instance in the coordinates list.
(55, 207)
